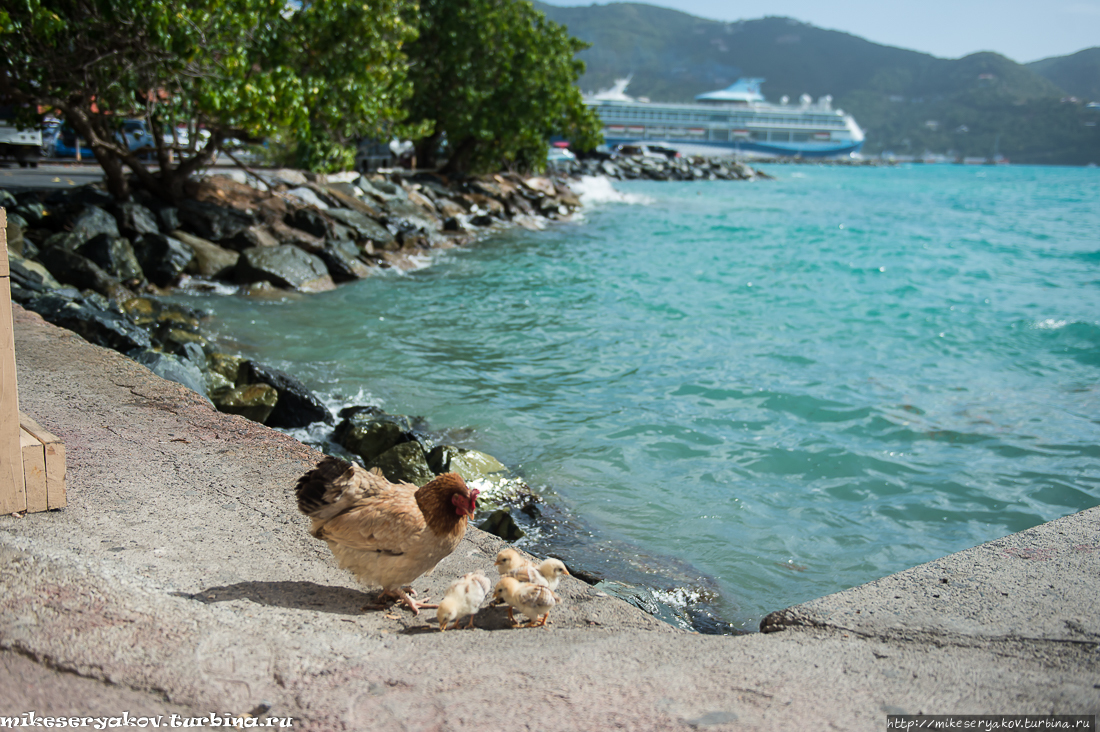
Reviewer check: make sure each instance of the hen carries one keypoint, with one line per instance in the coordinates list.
(386, 534)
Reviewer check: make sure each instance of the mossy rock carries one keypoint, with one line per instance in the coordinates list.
(405, 462)
(500, 523)
(252, 401)
(224, 365)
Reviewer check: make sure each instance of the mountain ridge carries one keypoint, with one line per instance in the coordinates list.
(907, 101)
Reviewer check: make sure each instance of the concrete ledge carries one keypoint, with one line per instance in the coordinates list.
(181, 579)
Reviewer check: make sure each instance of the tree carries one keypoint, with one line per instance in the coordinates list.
(328, 70)
(494, 79)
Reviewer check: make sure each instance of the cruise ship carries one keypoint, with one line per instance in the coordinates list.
(736, 119)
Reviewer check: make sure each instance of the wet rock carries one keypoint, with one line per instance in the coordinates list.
(115, 256)
(284, 266)
(342, 260)
(34, 212)
(404, 461)
(309, 220)
(369, 434)
(254, 236)
(30, 274)
(211, 221)
(135, 219)
(365, 228)
(90, 320)
(87, 222)
(210, 260)
(225, 365)
(79, 271)
(500, 523)
(382, 190)
(172, 368)
(162, 258)
(297, 405)
(253, 401)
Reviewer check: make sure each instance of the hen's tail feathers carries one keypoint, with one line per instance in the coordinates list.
(313, 485)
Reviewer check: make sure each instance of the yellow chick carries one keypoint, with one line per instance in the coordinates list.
(534, 601)
(463, 597)
(552, 570)
(509, 559)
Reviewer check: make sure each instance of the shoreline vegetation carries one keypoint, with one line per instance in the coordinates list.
(107, 270)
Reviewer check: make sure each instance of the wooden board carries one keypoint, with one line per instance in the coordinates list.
(34, 471)
(54, 450)
(13, 493)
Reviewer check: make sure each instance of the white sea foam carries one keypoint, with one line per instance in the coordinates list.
(598, 189)
(1051, 324)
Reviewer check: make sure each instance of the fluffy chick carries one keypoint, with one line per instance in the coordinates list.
(464, 597)
(508, 560)
(552, 570)
(534, 601)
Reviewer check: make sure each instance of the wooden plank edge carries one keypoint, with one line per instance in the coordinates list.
(34, 471)
(56, 496)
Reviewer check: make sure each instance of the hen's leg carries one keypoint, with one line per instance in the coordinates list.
(412, 604)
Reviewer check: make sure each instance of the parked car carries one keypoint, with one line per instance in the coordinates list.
(22, 144)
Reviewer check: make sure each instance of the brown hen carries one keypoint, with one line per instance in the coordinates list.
(386, 534)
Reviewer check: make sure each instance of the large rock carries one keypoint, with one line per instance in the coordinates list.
(115, 255)
(342, 260)
(90, 320)
(79, 271)
(309, 220)
(135, 219)
(405, 462)
(211, 221)
(172, 368)
(31, 275)
(163, 258)
(210, 259)
(91, 221)
(366, 229)
(252, 401)
(369, 434)
(297, 405)
(284, 266)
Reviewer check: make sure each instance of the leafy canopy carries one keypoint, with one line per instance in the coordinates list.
(328, 70)
(494, 79)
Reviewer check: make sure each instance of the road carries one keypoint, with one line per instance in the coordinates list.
(48, 175)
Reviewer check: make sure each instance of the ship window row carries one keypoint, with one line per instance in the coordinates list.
(654, 132)
(648, 114)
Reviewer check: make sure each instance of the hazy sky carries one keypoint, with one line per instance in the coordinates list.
(1023, 30)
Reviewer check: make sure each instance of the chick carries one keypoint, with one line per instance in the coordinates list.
(508, 560)
(551, 570)
(534, 601)
(463, 598)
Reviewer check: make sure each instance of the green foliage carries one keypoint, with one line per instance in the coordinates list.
(234, 68)
(892, 92)
(1078, 73)
(494, 79)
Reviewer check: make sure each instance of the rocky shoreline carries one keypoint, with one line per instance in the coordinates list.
(102, 269)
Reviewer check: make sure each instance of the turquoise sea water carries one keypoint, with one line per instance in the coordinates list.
(793, 386)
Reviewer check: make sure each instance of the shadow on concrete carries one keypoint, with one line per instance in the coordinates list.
(292, 595)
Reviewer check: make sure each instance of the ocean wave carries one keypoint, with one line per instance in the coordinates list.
(595, 190)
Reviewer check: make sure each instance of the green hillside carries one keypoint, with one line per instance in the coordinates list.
(908, 102)
(1078, 74)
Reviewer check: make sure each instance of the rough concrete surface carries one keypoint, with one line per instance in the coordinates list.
(181, 579)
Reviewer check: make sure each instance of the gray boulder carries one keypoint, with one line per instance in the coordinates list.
(135, 219)
(79, 271)
(210, 259)
(211, 221)
(115, 255)
(297, 405)
(342, 259)
(309, 220)
(91, 221)
(405, 462)
(172, 368)
(285, 266)
(162, 258)
(365, 228)
(90, 320)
